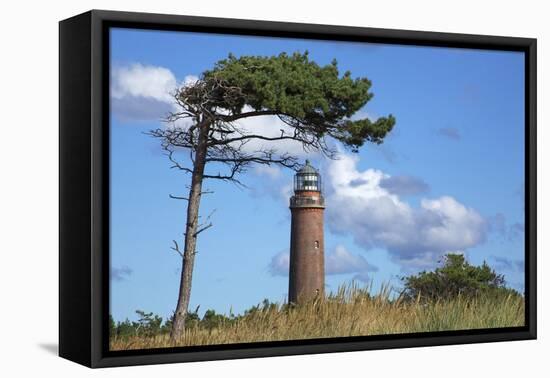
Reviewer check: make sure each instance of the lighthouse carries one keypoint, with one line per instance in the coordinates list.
(307, 247)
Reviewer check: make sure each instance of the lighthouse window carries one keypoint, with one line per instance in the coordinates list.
(316, 244)
(307, 181)
(310, 182)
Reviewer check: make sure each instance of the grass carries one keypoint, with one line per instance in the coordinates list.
(352, 311)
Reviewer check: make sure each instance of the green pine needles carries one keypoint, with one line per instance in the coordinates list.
(305, 94)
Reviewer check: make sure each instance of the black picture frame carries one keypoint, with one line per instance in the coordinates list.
(84, 187)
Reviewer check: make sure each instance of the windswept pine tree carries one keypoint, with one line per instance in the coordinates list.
(315, 102)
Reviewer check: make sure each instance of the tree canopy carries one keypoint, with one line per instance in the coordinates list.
(456, 277)
(315, 101)
(301, 92)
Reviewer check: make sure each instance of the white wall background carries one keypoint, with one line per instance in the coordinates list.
(29, 186)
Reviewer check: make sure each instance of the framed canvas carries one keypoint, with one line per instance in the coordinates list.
(235, 188)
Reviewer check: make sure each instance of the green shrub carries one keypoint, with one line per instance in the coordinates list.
(455, 278)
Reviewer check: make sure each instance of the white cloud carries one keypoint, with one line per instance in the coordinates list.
(190, 80)
(286, 192)
(271, 171)
(511, 265)
(498, 224)
(143, 92)
(358, 205)
(404, 185)
(339, 261)
(120, 274)
(269, 126)
(138, 80)
(450, 133)
(272, 181)
(279, 264)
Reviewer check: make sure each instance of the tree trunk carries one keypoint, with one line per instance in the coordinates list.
(191, 228)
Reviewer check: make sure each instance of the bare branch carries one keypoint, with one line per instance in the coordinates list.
(237, 167)
(203, 229)
(210, 215)
(230, 178)
(176, 248)
(254, 113)
(252, 136)
(289, 162)
(178, 198)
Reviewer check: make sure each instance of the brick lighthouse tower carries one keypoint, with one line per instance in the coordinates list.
(307, 247)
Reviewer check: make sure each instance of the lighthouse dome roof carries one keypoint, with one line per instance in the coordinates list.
(307, 169)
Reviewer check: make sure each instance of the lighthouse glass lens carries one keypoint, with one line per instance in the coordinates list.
(310, 182)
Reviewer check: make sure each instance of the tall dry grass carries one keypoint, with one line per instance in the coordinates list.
(352, 311)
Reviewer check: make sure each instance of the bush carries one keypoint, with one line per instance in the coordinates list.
(456, 277)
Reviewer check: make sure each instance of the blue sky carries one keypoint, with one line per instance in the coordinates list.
(450, 177)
